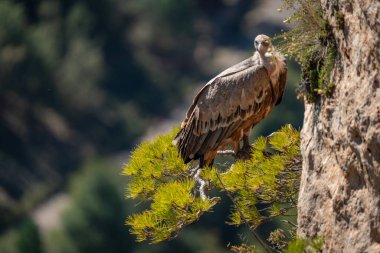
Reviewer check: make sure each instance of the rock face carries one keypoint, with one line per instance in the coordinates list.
(340, 189)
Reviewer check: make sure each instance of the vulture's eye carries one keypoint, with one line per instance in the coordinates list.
(256, 43)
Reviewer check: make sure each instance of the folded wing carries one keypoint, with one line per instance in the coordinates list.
(221, 107)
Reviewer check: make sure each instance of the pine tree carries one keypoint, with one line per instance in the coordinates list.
(159, 177)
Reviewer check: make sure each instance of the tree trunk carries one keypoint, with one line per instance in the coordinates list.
(340, 189)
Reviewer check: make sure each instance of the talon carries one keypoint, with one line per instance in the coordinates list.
(244, 154)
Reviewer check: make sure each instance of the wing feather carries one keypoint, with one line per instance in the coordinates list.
(231, 98)
(230, 71)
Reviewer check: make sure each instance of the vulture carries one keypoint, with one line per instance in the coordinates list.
(226, 109)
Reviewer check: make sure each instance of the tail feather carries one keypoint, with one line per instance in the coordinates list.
(181, 140)
(177, 137)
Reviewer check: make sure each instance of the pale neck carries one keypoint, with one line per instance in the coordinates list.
(263, 57)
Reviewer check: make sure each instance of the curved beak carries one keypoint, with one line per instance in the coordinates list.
(257, 45)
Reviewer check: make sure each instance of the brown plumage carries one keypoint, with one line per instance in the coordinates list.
(228, 106)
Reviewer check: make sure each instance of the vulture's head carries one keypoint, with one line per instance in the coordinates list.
(263, 43)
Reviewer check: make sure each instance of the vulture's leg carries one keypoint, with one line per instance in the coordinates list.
(201, 162)
(245, 152)
(197, 177)
(246, 145)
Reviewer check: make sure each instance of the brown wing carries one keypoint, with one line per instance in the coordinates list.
(220, 108)
(282, 81)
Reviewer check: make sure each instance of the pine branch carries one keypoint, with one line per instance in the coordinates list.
(291, 223)
(253, 232)
(227, 152)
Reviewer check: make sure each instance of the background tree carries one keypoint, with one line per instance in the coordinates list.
(29, 238)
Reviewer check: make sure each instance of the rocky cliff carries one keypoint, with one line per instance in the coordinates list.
(340, 189)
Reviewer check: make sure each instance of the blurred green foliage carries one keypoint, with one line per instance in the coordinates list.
(26, 238)
(299, 245)
(93, 221)
(29, 238)
(74, 83)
